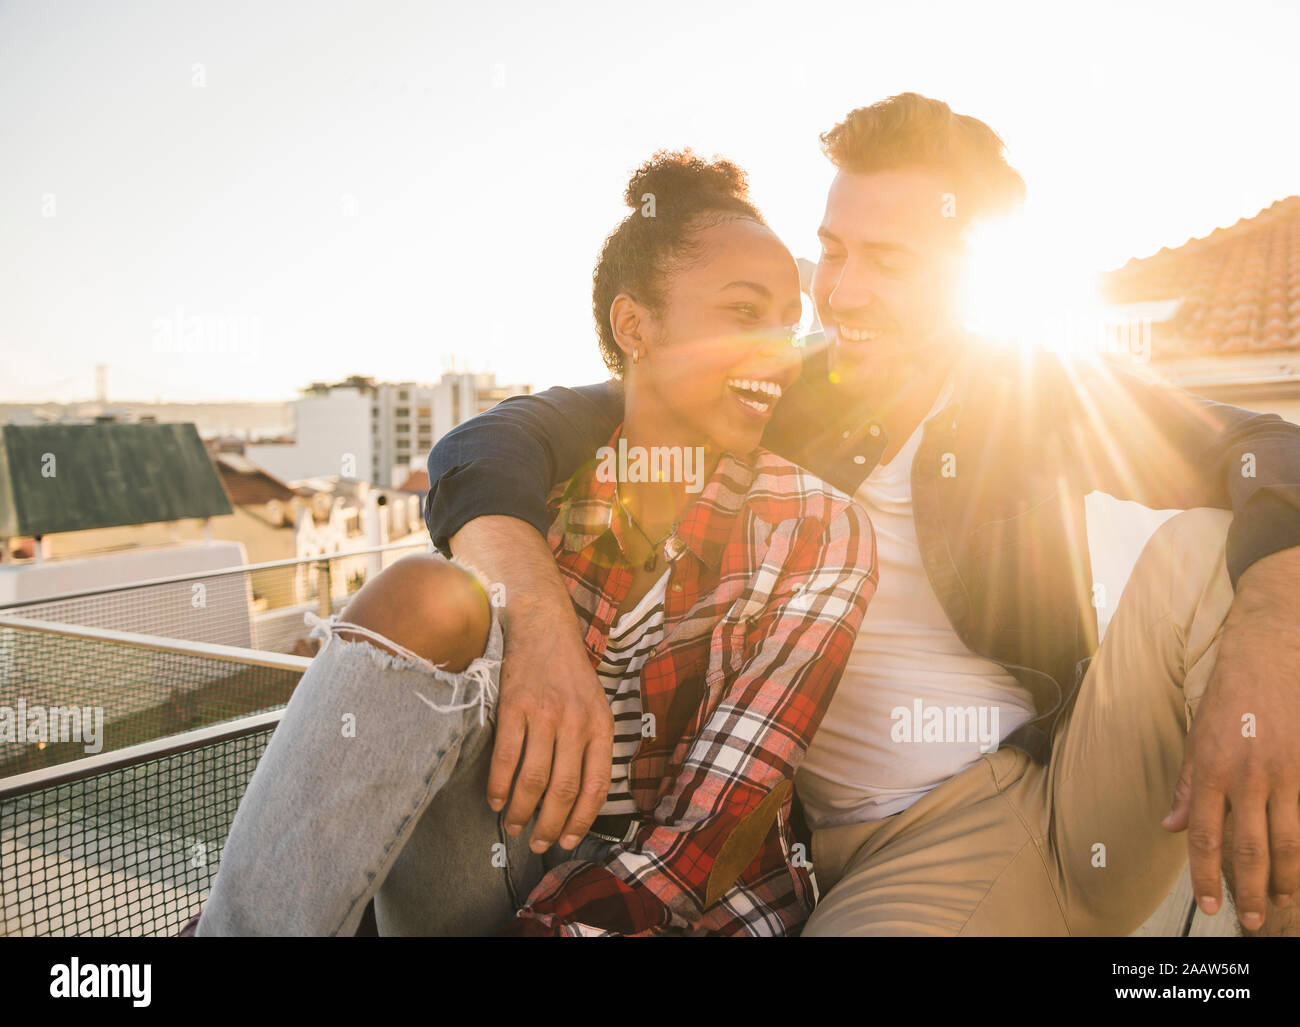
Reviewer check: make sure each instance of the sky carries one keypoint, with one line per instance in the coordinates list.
(230, 200)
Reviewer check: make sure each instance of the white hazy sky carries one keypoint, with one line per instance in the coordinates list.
(386, 188)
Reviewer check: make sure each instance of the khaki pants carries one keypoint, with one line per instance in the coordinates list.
(1075, 847)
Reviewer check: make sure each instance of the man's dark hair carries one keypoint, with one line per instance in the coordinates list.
(672, 195)
(913, 131)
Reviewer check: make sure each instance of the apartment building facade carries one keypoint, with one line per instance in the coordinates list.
(376, 431)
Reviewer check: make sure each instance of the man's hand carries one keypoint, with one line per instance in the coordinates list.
(554, 726)
(1243, 749)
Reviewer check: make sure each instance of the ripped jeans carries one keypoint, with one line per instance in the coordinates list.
(374, 785)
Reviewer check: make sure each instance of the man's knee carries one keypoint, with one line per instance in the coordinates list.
(1202, 525)
(1181, 580)
(1186, 551)
(428, 605)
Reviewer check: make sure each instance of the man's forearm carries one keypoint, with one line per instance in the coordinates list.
(554, 727)
(510, 551)
(1267, 600)
(1242, 753)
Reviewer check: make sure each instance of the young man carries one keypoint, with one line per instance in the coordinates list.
(985, 767)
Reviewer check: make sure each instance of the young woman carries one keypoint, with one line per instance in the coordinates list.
(718, 590)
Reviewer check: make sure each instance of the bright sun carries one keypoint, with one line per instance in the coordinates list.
(1022, 285)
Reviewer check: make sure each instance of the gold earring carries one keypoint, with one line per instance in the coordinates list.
(636, 355)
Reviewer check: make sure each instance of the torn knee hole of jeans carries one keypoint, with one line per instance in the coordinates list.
(474, 686)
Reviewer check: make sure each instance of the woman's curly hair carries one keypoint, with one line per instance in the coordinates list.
(672, 195)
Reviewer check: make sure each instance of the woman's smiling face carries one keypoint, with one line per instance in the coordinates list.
(718, 351)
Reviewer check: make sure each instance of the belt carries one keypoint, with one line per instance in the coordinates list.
(615, 827)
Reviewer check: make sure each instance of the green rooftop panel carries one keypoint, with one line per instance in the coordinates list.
(73, 477)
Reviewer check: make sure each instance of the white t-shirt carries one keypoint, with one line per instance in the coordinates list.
(915, 705)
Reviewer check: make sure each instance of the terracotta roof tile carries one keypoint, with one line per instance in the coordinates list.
(1239, 286)
(247, 484)
(418, 481)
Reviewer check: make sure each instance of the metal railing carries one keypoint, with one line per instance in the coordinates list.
(135, 715)
(257, 606)
(126, 843)
(125, 840)
(70, 690)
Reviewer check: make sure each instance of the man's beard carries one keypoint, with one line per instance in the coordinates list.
(883, 378)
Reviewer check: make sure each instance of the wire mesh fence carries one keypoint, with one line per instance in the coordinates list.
(129, 851)
(69, 692)
(129, 843)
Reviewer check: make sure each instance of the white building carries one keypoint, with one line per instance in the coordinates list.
(376, 431)
(331, 436)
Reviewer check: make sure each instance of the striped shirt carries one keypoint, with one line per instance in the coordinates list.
(631, 639)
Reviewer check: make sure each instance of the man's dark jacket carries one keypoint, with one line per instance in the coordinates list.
(998, 486)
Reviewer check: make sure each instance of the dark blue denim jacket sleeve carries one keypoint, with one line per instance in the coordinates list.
(1170, 449)
(506, 460)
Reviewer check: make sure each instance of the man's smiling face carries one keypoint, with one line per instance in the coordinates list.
(887, 281)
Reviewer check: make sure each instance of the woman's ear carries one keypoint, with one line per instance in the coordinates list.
(630, 323)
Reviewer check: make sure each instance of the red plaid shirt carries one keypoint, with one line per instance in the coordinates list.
(760, 614)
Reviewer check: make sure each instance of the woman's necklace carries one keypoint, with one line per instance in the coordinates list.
(651, 561)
